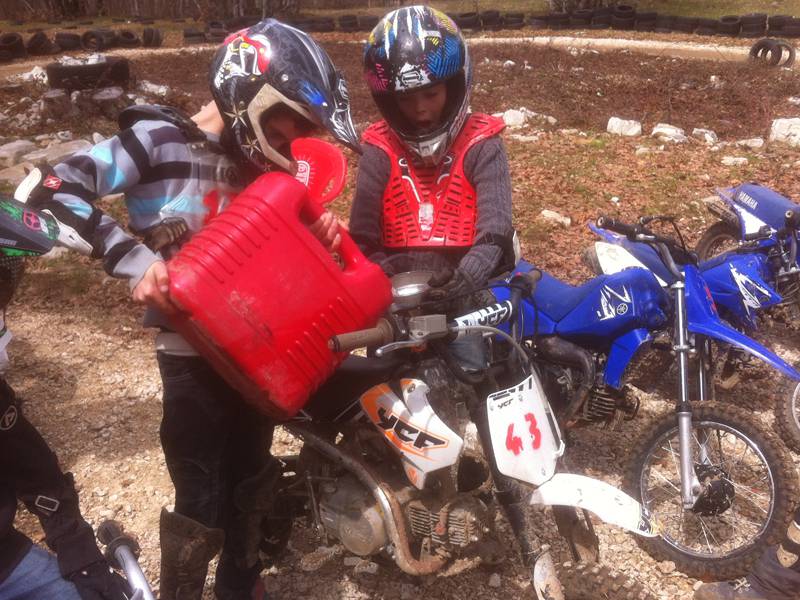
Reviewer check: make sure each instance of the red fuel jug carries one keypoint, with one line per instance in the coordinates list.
(261, 296)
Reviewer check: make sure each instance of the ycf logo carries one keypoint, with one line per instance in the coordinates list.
(407, 433)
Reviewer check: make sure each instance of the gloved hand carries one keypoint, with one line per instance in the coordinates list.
(98, 582)
(445, 286)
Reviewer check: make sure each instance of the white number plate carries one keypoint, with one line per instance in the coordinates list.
(525, 445)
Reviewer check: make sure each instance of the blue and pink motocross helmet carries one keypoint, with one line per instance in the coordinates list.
(271, 64)
(412, 48)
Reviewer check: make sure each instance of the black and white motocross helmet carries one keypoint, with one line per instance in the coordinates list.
(269, 64)
(410, 49)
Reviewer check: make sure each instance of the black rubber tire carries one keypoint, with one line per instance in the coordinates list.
(558, 21)
(147, 22)
(787, 414)
(730, 25)
(5, 56)
(685, 24)
(625, 11)
(13, 44)
(775, 454)
(490, 19)
(788, 55)
(777, 22)
(622, 23)
(127, 38)
(468, 20)
(752, 32)
(592, 581)
(367, 22)
(215, 25)
(538, 22)
(791, 31)
(68, 41)
(645, 26)
(718, 232)
(151, 37)
(115, 71)
(768, 51)
(39, 44)
(217, 36)
(98, 40)
(194, 39)
(706, 31)
(755, 19)
(513, 22)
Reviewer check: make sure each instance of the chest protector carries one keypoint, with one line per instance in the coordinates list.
(426, 207)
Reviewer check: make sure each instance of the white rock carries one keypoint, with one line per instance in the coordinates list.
(669, 133)
(734, 161)
(514, 118)
(509, 64)
(625, 127)
(551, 215)
(752, 143)
(351, 561)
(705, 135)
(615, 199)
(642, 150)
(41, 137)
(35, 75)
(56, 103)
(785, 130)
(538, 116)
(152, 88)
(14, 175)
(64, 136)
(794, 100)
(11, 153)
(527, 139)
(55, 252)
(716, 82)
(494, 580)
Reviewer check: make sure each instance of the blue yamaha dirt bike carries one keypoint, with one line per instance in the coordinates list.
(759, 273)
(721, 484)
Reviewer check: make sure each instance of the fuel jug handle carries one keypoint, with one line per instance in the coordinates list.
(348, 250)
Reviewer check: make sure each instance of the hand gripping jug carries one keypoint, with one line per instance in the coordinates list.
(261, 296)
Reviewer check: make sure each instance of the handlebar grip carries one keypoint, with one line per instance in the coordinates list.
(379, 335)
(612, 224)
(762, 233)
(792, 218)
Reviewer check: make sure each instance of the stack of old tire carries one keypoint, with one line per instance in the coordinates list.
(216, 32)
(192, 35)
(730, 25)
(39, 44)
(490, 20)
(646, 21)
(581, 19)
(558, 20)
(467, 20)
(513, 20)
(784, 26)
(11, 47)
(601, 18)
(624, 17)
(707, 27)
(684, 24)
(348, 23)
(367, 22)
(753, 25)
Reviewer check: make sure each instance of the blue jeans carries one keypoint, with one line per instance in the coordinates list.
(37, 578)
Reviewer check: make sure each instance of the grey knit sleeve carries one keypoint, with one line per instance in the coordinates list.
(365, 214)
(486, 167)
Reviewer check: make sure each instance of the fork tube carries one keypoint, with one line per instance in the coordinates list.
(703, 358)
(689, 483)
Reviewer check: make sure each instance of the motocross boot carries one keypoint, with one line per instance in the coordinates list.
(186, 549)
(728, 590)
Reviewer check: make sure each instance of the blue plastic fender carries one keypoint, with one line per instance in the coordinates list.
(622, 352)
(703, 319)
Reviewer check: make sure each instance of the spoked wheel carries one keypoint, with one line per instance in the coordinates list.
(718, 238)
(591, 581)
(748, 485)
(787, 415)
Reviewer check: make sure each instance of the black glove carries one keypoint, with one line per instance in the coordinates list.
(98, 582)
(446, 287)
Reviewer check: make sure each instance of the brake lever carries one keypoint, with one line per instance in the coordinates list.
(394, 346)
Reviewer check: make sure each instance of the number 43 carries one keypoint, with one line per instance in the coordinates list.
(514, 442)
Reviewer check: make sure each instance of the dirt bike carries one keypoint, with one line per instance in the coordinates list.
(717, 514)
(406, 455)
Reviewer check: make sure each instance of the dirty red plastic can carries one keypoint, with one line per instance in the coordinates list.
(261, 296)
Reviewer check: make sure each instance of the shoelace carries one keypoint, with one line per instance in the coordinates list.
(739, 584)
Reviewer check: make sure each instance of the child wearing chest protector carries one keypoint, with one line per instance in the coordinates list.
(433, 191)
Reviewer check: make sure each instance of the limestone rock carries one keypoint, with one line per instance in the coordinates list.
(786, 130)
(11, 153)
(669, 133)
(617, 126)
(705, 135)
(54, 154)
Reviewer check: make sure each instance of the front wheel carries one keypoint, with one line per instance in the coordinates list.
(591, 581)
(748, 487)
(787, 415)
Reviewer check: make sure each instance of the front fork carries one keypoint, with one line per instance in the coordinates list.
(690, 484)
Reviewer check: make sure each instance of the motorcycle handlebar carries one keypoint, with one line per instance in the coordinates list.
(379, 335)
(612, 224)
